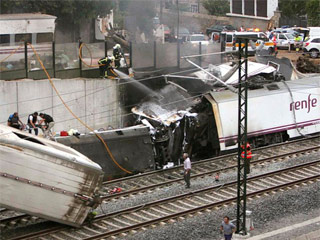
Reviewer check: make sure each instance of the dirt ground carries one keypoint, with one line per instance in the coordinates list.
(293, 56)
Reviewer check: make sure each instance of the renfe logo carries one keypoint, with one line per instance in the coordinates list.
(309, 103)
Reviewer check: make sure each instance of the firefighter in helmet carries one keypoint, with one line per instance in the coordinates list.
(105, 67)
(117, 53)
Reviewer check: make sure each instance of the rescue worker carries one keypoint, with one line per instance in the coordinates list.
(32, 120)
(14, 121)
(249, 155)
(117, 53)
(270, 36)
(48, 120)
(105, 66)
(297, 42)
(217, 177)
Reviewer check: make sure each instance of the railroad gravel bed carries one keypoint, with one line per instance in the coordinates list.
(199, 183)
(269, 213)
(175, 230)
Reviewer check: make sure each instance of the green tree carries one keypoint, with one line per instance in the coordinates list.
(313, 11)
(298, 8)
(292, 8)
(217, 7)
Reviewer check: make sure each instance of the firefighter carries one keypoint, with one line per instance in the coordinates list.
(249, 155)
(117, 53)
(105, 66)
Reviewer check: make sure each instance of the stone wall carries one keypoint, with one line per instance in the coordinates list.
(197, 22)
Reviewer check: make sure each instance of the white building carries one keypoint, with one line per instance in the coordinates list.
(257, 9)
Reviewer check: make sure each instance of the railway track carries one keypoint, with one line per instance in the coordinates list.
(152, 180)
(161, 178)
(174, 208)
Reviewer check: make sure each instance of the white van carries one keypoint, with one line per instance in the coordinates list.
(231, 40)
(314, 32)
(15, 29)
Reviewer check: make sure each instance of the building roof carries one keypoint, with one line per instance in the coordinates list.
(18, 16)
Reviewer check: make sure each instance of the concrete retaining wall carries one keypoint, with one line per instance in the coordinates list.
(95, 101)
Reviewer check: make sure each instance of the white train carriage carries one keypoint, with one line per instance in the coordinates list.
(276, 112)
(46, 179)
(15, 29)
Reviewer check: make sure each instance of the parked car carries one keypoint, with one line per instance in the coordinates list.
(314, 31)
(312, 46)
(231, 41)
(285, 40)
(197, 38)
(183, 33)
(220, 28)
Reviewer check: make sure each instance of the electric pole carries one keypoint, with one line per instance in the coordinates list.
(243, 164)
(178, 21)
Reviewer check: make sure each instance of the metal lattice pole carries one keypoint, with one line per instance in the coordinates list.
(242, 136)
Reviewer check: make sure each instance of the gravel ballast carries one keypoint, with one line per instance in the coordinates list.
(206, 226)
(200, 183)
(269, 213)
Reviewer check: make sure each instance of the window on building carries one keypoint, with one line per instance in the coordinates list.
(23, 37)
(237, 6)
(44, 37)
(194, 8)
(249, 7)
(262, 7)
(4, 38)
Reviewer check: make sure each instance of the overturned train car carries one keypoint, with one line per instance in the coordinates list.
(46, 179)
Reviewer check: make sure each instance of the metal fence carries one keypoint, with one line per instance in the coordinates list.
(70, 60)
(159, 55)
(60, 60)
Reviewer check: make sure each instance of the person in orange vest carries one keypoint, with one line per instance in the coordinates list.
(249, 154)
(217, 177)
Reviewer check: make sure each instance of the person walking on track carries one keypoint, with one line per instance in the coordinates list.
(187, 169)
(227, 228)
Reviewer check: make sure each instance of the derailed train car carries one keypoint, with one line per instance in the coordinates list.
(46, 179)
(277, 111)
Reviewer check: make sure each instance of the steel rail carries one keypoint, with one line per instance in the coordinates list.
(209, 160)
(186, 196)
(220, 170)
(15, 220)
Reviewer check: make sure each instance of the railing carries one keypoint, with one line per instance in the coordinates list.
(63, 60)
